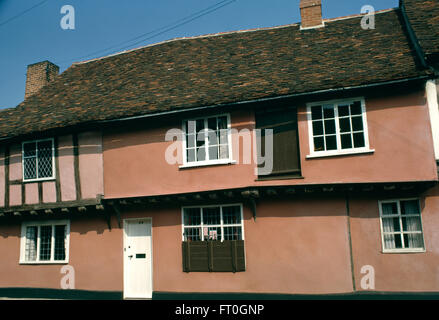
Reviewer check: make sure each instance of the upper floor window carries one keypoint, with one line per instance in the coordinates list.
(45, 242)
(338, 127)
(207, 141)
(401, 226)
(285, 149)
(38, 160)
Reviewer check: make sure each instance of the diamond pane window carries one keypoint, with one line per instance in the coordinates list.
(38, 159)
(45, 242)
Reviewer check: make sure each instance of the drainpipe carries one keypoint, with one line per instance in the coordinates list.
(348, 214)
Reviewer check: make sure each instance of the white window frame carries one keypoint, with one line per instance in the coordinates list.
(401, 250)
(36, 167)
(339, 151)
(221, 225)
(229, 160)
(39, 224)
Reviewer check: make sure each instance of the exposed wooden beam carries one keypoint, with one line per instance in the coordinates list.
(229, 194)
(213, 196)
(198, 197)
(250, 194)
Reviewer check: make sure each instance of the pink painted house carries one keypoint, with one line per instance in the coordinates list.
(296, 160)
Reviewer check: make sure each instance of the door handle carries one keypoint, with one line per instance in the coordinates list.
(130, 256)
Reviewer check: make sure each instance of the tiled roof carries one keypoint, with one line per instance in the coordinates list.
(424, 19)
(219, 69)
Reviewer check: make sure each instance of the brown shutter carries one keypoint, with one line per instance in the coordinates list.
(285, 139)
(213, 256)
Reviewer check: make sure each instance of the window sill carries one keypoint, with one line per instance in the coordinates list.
(43, 262)
(404, 251)
(339, 153)
(39, 180)
(286, 177)
(206, 164)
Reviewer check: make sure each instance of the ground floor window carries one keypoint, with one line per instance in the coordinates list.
(45, 242)
(401, 226)
(222, 222)
(213, 238)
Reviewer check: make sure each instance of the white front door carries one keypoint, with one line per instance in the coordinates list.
(137, 258)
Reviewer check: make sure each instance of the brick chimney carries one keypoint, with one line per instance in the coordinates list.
(38, 75)
(311, 12)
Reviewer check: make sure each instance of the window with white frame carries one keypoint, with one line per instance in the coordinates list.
(38, 160)
(207, 140)
(222, 222)
(338, 127)
(401, 225)
(45, 242)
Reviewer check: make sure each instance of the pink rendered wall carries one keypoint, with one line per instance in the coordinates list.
(49, 191)
(97, 266)
(15, 169)
(31, 190)
(400, 154)
(91, 164)
(66, 168)
(396, 271)
(304, 250)
(15, 198)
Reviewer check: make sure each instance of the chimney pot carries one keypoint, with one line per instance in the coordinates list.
(311, 13)
(38, 75)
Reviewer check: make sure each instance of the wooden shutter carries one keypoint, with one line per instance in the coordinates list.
(213, 256)
(285, 139)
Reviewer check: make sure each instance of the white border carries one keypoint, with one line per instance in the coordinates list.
(213, 206)
(339, 152)
(53, 160)
(208, 162)
(125, 268)
(402, 250)
(26, 224)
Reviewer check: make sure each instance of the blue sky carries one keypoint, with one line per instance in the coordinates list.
(36, 35)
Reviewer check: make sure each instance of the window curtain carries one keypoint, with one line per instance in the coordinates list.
(31, 243)
(413, 224)
(388, 226)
